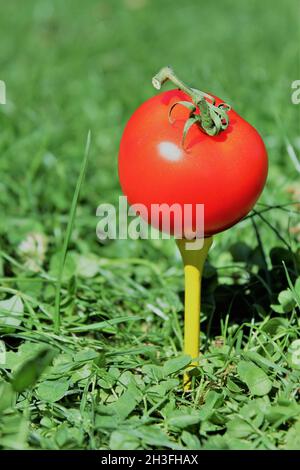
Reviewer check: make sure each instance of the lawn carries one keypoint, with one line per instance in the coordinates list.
(110, 375)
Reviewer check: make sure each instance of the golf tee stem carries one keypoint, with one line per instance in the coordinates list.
(193, 261)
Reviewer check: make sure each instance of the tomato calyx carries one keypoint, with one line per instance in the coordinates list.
(211, 119)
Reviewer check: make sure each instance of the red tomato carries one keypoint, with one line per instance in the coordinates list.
(226, 172)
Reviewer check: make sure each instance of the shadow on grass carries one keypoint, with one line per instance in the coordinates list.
(253, 287)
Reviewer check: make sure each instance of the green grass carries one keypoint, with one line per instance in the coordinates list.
(110, 376)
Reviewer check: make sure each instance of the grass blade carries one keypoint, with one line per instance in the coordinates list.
(57, 319)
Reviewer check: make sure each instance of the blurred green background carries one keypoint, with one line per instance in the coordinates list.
(70, 66)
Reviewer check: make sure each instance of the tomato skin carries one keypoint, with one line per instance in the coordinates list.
(226, 172)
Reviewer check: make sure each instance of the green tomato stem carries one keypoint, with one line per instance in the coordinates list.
(212, 119)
